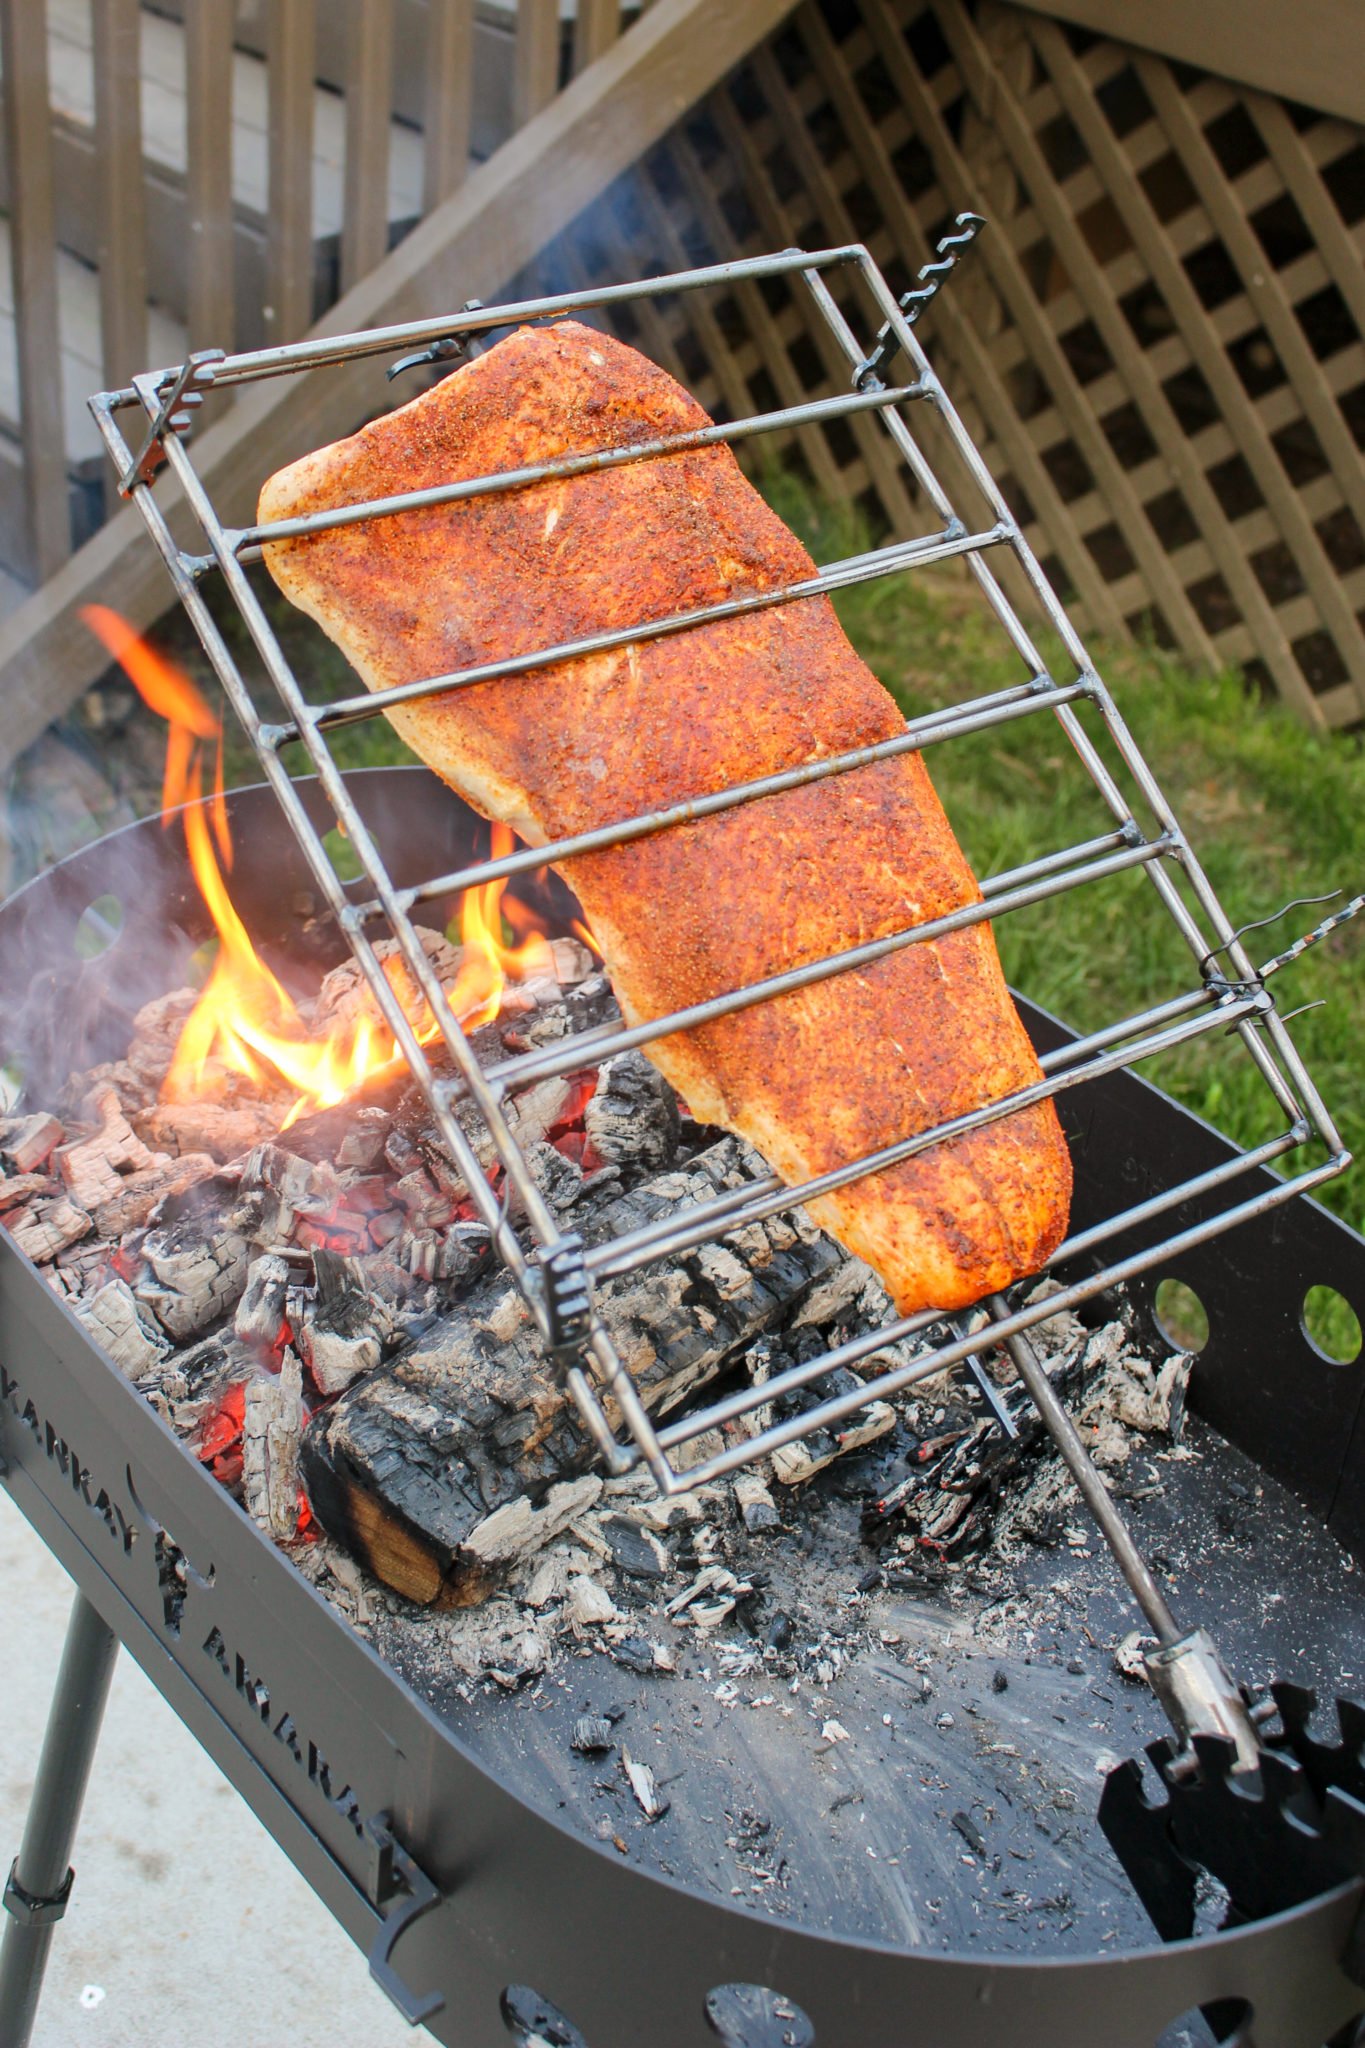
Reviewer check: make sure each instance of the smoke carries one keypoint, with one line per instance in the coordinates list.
(65, 1005)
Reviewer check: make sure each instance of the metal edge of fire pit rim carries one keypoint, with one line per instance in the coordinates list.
(529, 1898)
(670, 1924)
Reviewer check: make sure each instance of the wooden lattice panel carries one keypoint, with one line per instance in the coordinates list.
(1159, 339)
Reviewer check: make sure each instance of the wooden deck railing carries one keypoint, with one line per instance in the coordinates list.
(1161, 342)
(514, 54)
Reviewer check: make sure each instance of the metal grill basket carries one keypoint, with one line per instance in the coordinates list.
(1224, 992)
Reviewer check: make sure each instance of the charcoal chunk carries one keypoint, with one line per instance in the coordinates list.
(591, 1735)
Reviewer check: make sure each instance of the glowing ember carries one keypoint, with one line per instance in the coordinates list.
(245, 1022)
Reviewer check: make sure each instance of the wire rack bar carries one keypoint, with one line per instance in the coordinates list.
(722, 433)
(1231, 997)
(969, 455)
(625, 1253)
(605, 1041)
(474, 318)
(841, 1408)
(910, 554)
(620, 1255)
(919, 734)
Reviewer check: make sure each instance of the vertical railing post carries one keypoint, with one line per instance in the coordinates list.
(211, 297)
(596, 29)
(119, 203)
(291, 54)
(33, 261)
(369, 109)
(449, 100)
(536, 75)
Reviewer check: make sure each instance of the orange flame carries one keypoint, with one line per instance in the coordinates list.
(245, 1022)
(488, 960)
(172, 696)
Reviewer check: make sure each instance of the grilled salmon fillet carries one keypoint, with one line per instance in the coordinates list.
(815, 1079)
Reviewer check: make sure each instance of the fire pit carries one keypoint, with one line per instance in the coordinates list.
(341, 1755)
(463, 1422)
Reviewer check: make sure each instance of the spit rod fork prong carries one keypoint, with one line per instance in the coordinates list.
(1188, 1677)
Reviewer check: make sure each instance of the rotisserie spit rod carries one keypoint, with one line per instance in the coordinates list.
(1185, 1671)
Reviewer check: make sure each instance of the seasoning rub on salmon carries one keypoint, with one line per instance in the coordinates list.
(814, 1079)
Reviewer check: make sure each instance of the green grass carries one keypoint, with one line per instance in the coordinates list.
(1272, 811)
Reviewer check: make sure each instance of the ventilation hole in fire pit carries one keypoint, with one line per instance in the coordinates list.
(1180, 1316)
(1331, 1325)
(533, 2022)
(1226, 2024)
(343, 856)
(751, 2016)
(97, 927)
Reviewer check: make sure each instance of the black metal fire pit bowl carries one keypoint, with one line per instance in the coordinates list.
(482, 1915)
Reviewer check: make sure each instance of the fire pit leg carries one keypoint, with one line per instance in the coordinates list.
(39, 1882)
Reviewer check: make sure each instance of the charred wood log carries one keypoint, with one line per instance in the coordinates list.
(352, 1134)
(260, 1314)
(142, 1194)
(277, 1187)
(48, 1228)
(413, 1458)
(197, 1270)
(225, 1130)
(94, 1166)
(633, 1114)
(349, 1329)
(27, 1141)
(126, 1333)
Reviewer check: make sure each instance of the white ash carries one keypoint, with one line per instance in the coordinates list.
(795, 1463)
(272, 1428)
(536, 1111)
(142, 1194)
(589, 1602)
(1131, 1654)
(225, 1130)
(93, 1166)
(350, 1327)
(633, 1113)
(497, 1641)
(642, 1783)
(196, 1276)
(28, 1142)
(260, 1312)
(43, 1229)
(130, 1337)
(361, 1145)
(276, 1189)
(346, 998)
(572, 961)
(519, 1528)
(559, 1180)
(755, 1502)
